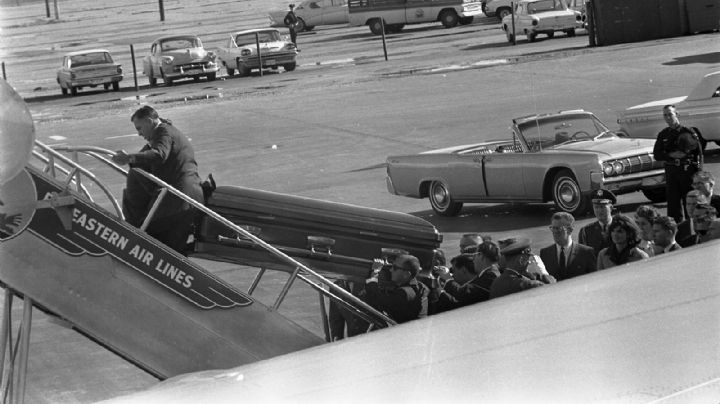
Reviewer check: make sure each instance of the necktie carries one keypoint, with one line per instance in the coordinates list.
(562, 262)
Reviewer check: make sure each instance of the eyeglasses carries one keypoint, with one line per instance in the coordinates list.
(469, 250)
(558, 229)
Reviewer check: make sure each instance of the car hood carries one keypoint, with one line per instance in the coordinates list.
(615, 147)
(187, 55)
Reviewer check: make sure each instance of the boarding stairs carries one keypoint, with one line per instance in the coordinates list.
(78, 260)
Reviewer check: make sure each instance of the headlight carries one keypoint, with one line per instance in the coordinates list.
(618, 167)
(167, 61)
(119, 69)
(607, 169)
(245, 52)
(535, 22)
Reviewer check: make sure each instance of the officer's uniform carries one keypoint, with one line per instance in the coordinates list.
(596, 235)
(678, 172)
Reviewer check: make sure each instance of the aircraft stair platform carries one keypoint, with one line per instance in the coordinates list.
(77, 259)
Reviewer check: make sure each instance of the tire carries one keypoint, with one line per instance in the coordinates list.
(502, 12)
(230, 71)
(73, 91)
(551, 34)
(211, 77)
(376, 26)
(510, 36)
(570, 32)
(290, 66)
(466, 20)
(567, 195)
(531, 36)
(300, 26)
(441, 200)
(106, 86)
(449, 18)
(116, 86)
(655, 195)
(63, 90)
(168, 82)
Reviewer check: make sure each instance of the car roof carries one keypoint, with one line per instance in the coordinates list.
(84, 52)
(165, 38)
(252, 31)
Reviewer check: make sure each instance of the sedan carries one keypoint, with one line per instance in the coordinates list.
(560, 157)
(310, 13)
(177, 57)
(89, 68)
(533, 17)
(257, 49)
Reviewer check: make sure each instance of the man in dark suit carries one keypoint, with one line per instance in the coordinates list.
(664, 230)
(566, 259)
(595, 234)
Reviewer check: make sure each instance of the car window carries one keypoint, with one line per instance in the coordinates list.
(545, 133)
(544, 5)
(179, 43)
(249, 39)
(93, 58)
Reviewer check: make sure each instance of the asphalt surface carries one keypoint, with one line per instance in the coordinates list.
(333, 121)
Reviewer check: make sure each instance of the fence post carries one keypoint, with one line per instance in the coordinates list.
(382, 32)
(257, 44)
(132, 55)
(162, 10)
(512, 17)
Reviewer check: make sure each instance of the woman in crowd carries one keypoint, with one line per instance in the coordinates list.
(624, 235)
(644, 217)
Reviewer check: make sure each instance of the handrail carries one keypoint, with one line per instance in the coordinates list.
(279, 254)
(80, 170)
(335, 292)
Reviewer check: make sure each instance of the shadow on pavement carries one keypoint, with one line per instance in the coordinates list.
(707, 58)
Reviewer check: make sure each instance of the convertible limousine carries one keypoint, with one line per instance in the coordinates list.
(561, 157)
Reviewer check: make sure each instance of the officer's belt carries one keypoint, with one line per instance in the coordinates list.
(680, 162)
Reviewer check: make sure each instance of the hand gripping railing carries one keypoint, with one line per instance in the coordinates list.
(333, 292)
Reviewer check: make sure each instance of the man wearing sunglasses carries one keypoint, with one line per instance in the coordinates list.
(566, 259)
(406, 299)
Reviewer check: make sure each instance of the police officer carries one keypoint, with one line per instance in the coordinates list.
(291, 22)
(596, 234)
(679, 147)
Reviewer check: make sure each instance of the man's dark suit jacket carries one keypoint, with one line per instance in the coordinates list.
(581, 260)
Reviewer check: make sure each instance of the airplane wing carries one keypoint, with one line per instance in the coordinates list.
(639, 333)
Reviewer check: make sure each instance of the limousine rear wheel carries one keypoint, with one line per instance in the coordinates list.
(567, 195)
(441, 200)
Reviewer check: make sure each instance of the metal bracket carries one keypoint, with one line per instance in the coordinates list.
(62, 203)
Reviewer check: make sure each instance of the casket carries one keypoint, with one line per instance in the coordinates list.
(336, 239)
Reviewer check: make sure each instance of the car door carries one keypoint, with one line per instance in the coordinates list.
(505, 173)
(334, 11)
(463, 173)
(418, 11)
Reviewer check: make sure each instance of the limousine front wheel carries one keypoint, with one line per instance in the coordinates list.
(567, 195)
(441, 200)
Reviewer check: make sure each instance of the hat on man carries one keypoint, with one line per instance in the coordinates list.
(514, 246)
(291, 5)
(603, 197)
(408, 263)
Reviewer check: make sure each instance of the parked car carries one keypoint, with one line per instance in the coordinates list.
(178, 57)
(533, 17)
(497, 8)
(241, 52)
(561, 157)
(699, 110)
(310, 13)
(88, 68)
(579, 6)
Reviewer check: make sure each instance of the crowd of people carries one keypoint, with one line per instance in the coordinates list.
(486, 269)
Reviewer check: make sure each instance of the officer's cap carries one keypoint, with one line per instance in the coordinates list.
(513, 246)
(603, 197)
